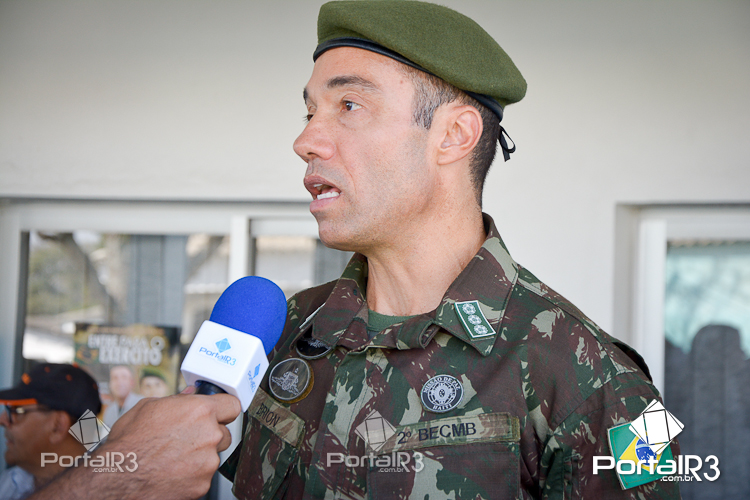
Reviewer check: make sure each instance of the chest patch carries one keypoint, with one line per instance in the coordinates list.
(473, 320)
(442, 393)
(291, 380)
(310, 348)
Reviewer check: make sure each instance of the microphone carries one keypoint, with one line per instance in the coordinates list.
(229, 352)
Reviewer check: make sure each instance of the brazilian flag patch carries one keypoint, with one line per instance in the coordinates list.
(625, 445)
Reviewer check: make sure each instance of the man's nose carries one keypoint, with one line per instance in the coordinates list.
(315, 141)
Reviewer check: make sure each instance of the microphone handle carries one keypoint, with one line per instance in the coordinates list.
(208, 388)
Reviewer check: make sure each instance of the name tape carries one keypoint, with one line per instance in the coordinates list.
(279, 419)
(488, 427)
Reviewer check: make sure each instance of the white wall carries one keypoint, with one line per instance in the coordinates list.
(628, 102)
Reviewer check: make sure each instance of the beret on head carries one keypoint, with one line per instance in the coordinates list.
(430, 37)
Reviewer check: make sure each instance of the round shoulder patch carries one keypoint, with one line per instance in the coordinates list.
(442, 393)
(291, 380)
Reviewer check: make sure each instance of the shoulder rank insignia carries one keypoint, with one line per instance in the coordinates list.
(473, 320)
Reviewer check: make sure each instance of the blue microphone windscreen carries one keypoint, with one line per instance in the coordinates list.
(255, 306)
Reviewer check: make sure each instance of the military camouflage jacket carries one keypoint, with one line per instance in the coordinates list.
(539, 385)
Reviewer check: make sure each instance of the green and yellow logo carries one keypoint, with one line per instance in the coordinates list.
(641, 447)
(636, 462)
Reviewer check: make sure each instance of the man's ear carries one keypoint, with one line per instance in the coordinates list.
(461, 128)
(60, 424)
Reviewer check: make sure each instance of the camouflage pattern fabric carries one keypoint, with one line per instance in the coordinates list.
(538, 398)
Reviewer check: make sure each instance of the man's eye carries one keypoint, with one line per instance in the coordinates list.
(351, 106)
(307, 117)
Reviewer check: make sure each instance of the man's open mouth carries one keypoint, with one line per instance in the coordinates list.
(326, 191)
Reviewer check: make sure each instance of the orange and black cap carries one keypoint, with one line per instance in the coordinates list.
(56, 386)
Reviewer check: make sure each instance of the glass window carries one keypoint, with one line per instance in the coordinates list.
(707, 370)
(106, 299)
(707, 284)
(288, 261)
(116, 304)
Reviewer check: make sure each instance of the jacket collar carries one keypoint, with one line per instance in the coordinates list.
(488, 278)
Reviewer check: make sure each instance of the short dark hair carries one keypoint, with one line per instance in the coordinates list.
(430, 92)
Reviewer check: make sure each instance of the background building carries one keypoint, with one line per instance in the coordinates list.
(146, 162)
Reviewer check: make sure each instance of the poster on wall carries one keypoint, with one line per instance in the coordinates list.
(129, 363)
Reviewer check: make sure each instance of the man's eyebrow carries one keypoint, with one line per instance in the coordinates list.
(351, 80)
(344, 81)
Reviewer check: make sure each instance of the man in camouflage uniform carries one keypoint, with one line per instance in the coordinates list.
(436, 366)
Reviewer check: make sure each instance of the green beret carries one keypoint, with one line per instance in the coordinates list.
(429, 37)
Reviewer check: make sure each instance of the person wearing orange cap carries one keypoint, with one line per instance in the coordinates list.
(37, 417)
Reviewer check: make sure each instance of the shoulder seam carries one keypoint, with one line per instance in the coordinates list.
(612, 403)
(538, 292)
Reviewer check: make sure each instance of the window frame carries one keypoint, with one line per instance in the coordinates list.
(642, 236)
(242, 221)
